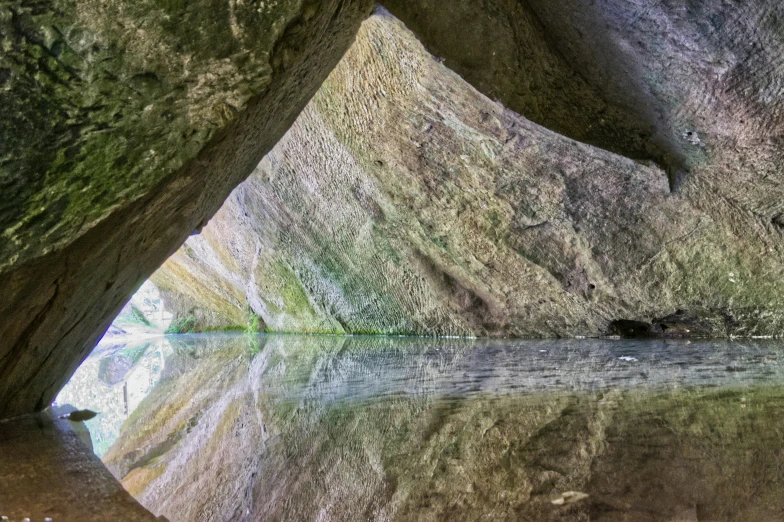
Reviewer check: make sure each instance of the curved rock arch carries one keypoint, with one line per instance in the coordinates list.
(691, 86)
(124, 128)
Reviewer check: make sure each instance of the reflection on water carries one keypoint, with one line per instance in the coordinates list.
(113, 381)
(296, 428)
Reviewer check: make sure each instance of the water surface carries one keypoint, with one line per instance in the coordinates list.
(276, 427)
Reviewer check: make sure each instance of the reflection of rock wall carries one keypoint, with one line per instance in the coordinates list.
(341, 429)
(403, 201)
(202, 399)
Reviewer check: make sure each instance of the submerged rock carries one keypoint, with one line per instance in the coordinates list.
(404, 201)
(79, 415)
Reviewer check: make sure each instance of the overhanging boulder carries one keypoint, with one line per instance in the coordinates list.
(123, 127)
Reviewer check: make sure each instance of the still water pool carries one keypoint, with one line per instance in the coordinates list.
(279, 427)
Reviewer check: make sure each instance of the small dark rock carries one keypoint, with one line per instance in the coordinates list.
(79, 415)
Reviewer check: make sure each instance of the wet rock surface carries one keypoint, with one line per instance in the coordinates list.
(48, 473)
(302, 428)
(404, 201)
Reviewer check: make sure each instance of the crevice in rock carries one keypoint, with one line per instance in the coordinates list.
(678, 325)
(629, 328)
(778, 221)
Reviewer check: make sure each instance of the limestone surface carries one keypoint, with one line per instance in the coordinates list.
(404, 201)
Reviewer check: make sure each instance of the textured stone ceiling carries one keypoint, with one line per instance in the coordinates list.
(404, 201)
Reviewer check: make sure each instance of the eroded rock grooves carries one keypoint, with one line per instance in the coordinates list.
(124, 126)
(404, 201)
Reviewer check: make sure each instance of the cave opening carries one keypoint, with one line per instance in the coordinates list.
(324, 260)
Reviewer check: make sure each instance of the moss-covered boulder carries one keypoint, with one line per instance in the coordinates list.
(123, 127)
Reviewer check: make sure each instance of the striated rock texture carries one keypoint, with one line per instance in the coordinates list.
(341, 428)
(689, 85)
(123, 126)
(404, 201)
(201, 300)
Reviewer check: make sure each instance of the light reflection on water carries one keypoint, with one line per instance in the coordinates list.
(374, 428)
(113, 381)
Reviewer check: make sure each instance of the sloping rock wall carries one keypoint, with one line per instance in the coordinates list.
(404, 201)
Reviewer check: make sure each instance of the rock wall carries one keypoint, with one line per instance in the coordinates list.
(124, 127)
(683, 84)
(404, 201)
(201, 300)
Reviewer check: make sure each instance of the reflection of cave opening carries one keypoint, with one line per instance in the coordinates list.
(145, 314)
